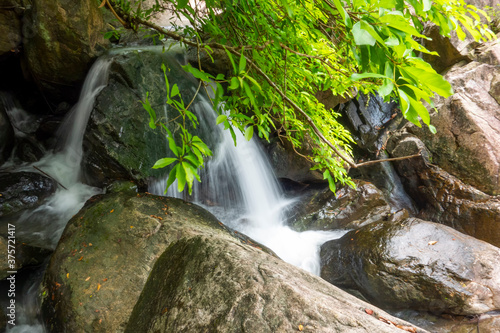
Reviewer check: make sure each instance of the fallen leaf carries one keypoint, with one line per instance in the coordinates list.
(112, 211)
(80, 258)
(104, 280)
(90, 244)
(369, 311)
(98, 286)
(432, 242)
(67, 275)
(301, 328)
(87, 278)
(407, 328)
(164, 311)
(131, 226)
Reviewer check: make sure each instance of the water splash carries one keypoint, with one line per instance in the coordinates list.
(240, 189)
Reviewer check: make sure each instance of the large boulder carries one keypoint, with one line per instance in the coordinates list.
(10, 26)
(7, 138)
(61, 40)
(348, 208)
(442, 197)
(22, 190)
(143, 263)
(416, 264)
(118, 142)
(467, 144)
(25, 255)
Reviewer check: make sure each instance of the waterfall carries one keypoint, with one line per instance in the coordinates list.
(239, 187)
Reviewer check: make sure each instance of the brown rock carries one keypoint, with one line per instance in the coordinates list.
(62, 38)
(467, 144)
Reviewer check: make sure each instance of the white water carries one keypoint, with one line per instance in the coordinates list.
(44, 225)
(239, 187)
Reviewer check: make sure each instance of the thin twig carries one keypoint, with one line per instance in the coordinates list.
(46, 174)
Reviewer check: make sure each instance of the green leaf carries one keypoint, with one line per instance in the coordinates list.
(399, 22)
(189, 172)
(243, 63)
(161, 163)
(288, 9)
(249, 133)
(220, 119)
(343, 13)
(230, 56)
(171, 176)
(432, 129)
(182, 4)
(175, 90)
(356, 76)
(235, 83)
(361, 36)
(180, 175)
(420, 109)
(173, 147)
(432, 80)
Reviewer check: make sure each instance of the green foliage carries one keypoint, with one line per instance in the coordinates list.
(190, 151)
(283, 52)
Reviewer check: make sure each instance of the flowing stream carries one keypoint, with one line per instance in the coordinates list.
(238, 186)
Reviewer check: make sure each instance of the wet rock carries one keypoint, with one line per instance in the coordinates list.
(10, 26)
(467, 141)
(369, 119)
(352, 208)
(124, 256)
(448, 56)
(7, 139)
(287, 164)
(25, 256)
(416, 264)
(442, 197)
(118, 143)
(21, 190)
(61, 40)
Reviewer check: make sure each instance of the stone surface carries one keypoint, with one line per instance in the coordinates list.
(468, 124)
(25, 255)
(118, 143)
(442, 197)
(61, 40)
(162, 261)
(352, 208)
(416, 264)
(21, 190)
(10, 26)
(7, 138)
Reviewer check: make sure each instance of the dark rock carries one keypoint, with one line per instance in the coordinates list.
(133, 261)
(416, 264)
(466, 143)
(21, 190)
(10, 26)
(25, 256)
(352, 208)
(442, 197)
(6, 135)
(448, 53)
(118, 143)
(286, 163)
(61, 40)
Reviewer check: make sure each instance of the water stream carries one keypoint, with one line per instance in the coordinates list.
(238, 187)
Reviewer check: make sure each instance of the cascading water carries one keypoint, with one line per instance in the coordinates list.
(239, 187)
(43, 226)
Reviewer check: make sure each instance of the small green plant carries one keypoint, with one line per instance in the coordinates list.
(190, 150)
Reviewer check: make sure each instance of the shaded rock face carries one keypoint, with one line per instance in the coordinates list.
(10, 26)
(7, 138)
(416, 264)
(26, 255)
(352, 208)
(21, 190)
(118, 142)
(287, 164)
(61, 40)
(126, 255)
(448, 56)
(468, 141)
(442, 197)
